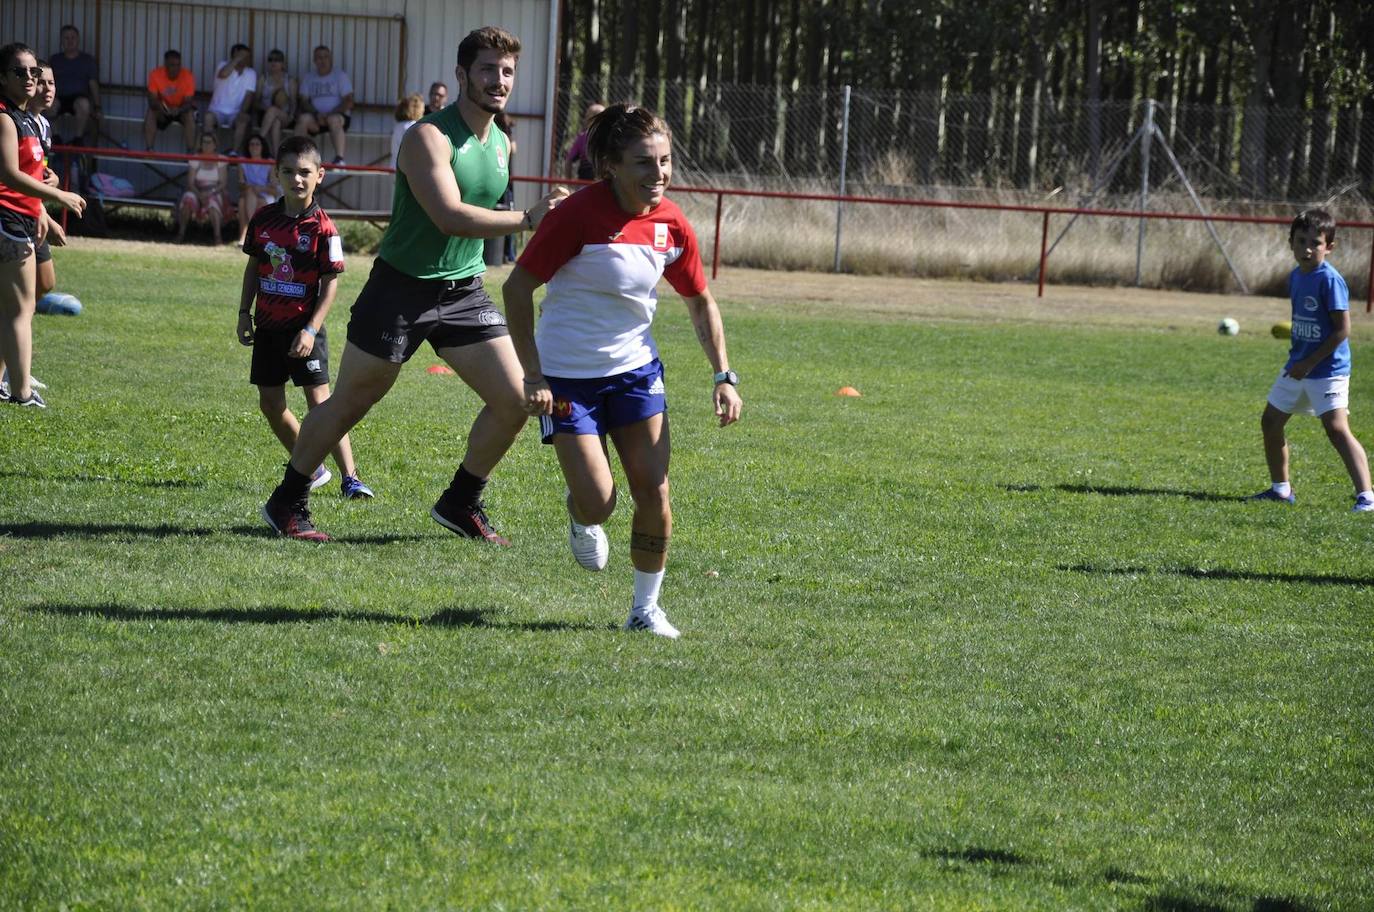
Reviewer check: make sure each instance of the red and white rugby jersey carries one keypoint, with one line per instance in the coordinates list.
(602, 266)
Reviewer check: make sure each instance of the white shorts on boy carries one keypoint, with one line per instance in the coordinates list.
(1310, 396)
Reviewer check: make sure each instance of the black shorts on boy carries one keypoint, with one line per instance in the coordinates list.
(396, 312)
(273, 364)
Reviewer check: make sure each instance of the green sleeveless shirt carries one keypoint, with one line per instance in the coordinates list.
(412, 243)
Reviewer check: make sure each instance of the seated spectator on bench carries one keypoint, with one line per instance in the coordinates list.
(78, 85)
(236, 86)
(408, 110)
(257, 184)
(276, 101)
(438, 97)
(204, 199)
(326, 102)
(171, 99)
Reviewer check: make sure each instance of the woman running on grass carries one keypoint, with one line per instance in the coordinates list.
(23, 221)
(592, 368)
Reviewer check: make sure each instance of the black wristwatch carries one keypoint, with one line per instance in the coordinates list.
(728, 376)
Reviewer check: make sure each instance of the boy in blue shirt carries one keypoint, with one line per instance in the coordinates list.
(1316, 379)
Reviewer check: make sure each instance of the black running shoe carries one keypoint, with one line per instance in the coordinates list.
(291, 520)
(34, 401)
(469, 522)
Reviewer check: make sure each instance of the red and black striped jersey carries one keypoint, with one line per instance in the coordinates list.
(30, 161)
(293, 252)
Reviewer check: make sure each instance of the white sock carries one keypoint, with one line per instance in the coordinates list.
(1365, 495)
(1282, 488)
(646, 587)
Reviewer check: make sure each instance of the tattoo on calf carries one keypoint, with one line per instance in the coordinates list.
(654, 544)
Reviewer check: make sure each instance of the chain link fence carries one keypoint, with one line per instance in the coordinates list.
(1002, 148)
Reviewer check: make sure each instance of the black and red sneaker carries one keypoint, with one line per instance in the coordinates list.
(291, 520)
(469, 522)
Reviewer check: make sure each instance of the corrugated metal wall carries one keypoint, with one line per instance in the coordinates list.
(409, 45)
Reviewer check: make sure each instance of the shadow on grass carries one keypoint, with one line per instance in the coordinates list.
(1203, 573)
(979, 855)
(47, 530)
(1170, 898)
(106, 479)
(1125, 491)
(1174, 900)
(273, 614)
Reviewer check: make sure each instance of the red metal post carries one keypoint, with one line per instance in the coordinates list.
(66, 184)
(1369, 292)
(715, 253)
(1044, 242)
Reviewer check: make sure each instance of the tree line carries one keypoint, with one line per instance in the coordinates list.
(1275, 93)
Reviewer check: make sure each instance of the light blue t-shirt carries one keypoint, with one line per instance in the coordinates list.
(1315, 296)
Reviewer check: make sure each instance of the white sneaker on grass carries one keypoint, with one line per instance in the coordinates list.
(1363, 505)
(651, 618)
(589, 544)
(320, 477)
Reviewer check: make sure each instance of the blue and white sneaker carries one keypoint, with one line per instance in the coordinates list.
(4, 391)
(1363, 505)
(651, 618)
(34, 401)
(353, 489)
(320, 478)
(1273, 495)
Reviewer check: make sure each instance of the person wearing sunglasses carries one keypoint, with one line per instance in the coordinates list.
(23, 221)
(276, 101)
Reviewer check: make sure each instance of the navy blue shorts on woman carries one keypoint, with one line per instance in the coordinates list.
(598, 405)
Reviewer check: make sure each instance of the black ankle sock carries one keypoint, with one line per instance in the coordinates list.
(294, 484)
(466, 488)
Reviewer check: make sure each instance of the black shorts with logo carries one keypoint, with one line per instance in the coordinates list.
(273, 364)
(16, 226)
(17, 233)
(395, 312)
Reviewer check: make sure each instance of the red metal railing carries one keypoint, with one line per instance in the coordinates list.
(721, 192)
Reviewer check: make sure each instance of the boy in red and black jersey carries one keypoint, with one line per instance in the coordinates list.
(295, 256)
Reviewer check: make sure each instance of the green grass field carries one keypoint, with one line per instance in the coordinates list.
(997, 635)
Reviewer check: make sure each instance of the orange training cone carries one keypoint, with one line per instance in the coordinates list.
(848, 391)
(438, 369)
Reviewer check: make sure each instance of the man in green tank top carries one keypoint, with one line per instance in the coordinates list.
(426, 284)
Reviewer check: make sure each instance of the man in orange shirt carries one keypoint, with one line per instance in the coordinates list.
(171, 98)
